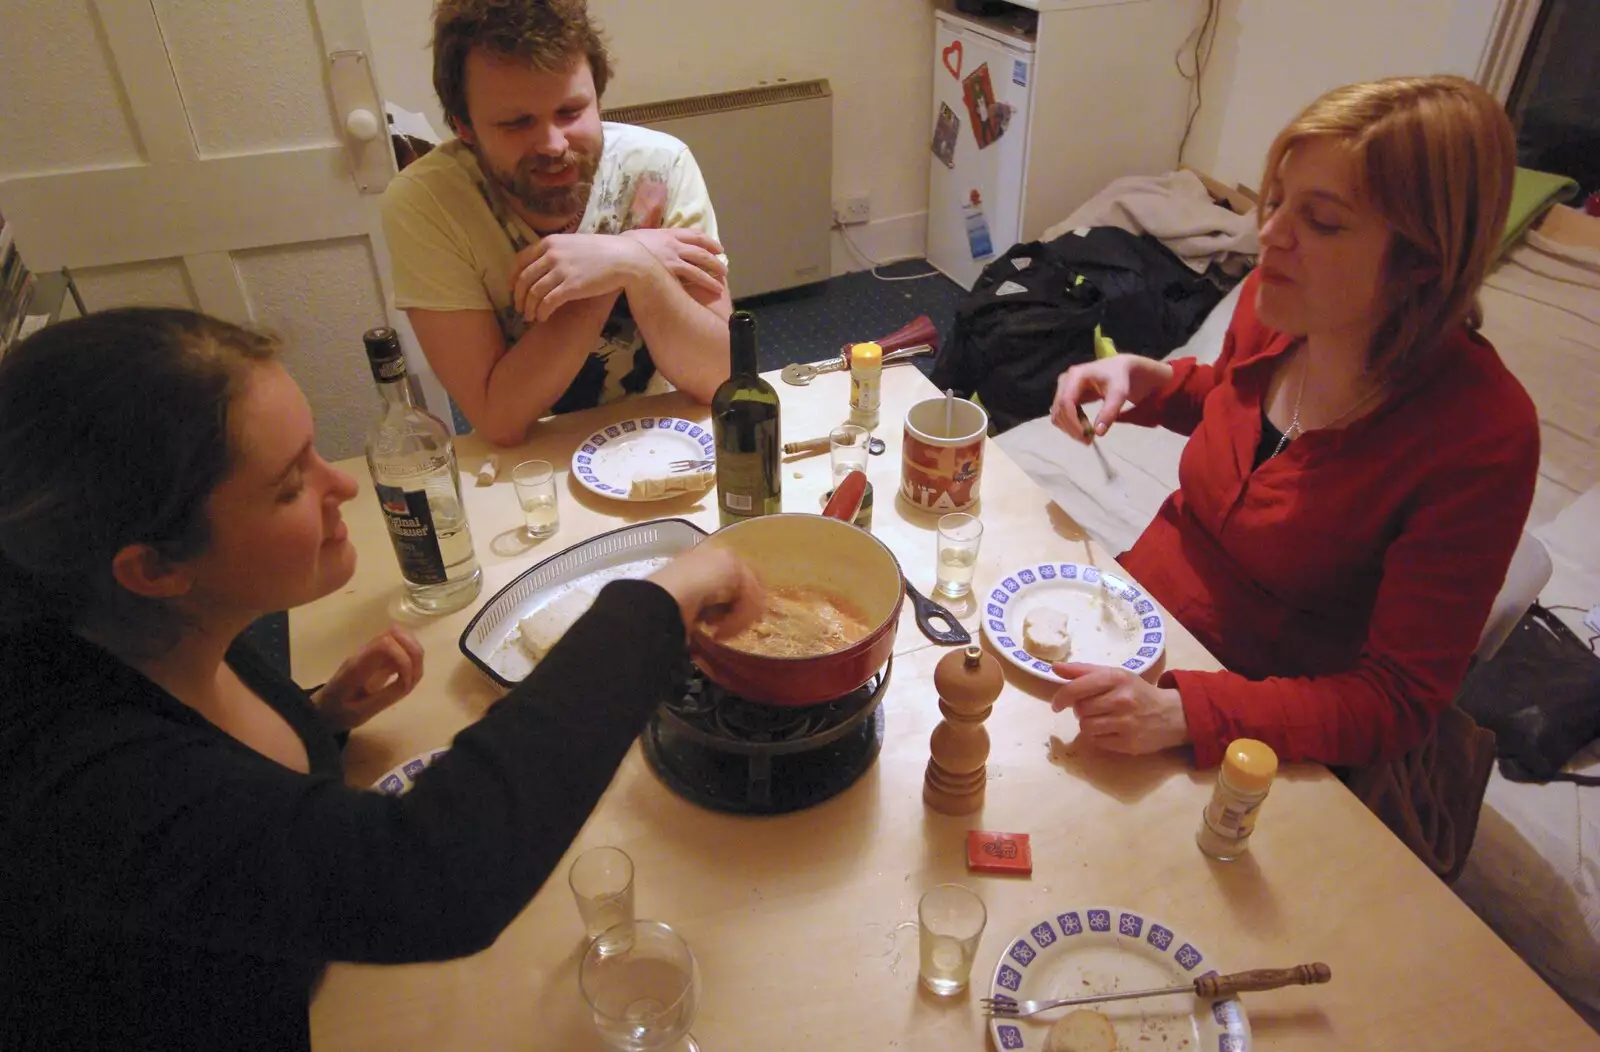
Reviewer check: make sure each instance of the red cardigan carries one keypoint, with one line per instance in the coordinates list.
(1344, 584)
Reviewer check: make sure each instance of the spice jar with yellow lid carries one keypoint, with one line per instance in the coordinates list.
(866, 372)
(1243, 781)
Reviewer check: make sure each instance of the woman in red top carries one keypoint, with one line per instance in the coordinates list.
(1360, 463)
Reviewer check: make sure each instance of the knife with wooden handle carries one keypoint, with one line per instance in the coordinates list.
(1211, 987)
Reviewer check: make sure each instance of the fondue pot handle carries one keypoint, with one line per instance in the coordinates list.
(847, 497)
(919, 331)
(930, 615)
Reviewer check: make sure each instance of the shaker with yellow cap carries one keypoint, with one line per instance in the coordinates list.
(1243, 781)
(866, 370)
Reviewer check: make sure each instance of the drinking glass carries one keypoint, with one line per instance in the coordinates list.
(535, 482)
(847, 450)
(643, 985)
(950, 920)
(602, 882)
(959, 536)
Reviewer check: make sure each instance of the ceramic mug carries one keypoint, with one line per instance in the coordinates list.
(940, 469)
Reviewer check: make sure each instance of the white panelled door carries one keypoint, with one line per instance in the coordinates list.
(203, 153)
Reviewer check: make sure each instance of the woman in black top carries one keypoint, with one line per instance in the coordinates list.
(178, 852)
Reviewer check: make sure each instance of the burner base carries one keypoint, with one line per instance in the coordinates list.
(761, 784)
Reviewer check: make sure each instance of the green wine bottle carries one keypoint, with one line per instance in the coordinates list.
(744, 419)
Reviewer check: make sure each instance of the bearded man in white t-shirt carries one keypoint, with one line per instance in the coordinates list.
(549, 261)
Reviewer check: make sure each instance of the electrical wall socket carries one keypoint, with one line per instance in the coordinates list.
(856, 208)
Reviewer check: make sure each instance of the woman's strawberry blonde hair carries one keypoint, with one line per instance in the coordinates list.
(1435, 157)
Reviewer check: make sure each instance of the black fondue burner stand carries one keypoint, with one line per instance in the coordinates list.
(721, 751)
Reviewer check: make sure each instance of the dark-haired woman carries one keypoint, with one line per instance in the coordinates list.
(178, 853)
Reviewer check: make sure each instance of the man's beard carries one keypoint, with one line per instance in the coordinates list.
(549, 200)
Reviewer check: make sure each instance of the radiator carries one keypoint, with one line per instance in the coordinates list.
(767, 157)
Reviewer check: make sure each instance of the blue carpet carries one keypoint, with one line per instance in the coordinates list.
(811, 323)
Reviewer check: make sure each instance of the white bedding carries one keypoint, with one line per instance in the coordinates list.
(1534, 872)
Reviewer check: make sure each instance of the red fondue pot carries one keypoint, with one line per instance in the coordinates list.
(818, 551)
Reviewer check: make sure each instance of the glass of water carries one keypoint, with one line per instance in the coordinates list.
(602, 882)
(535, 482)
(847, 450)
(950, 920)
(643, 985)
(959, 536)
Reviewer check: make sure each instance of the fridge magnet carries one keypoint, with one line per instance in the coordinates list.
(952, 58)
(982, 109)
(1002, 120)
(945, 134)
(978, 240)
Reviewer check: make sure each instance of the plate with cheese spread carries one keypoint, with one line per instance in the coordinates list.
(1050, 612)
(632, 459)
(1103, 950)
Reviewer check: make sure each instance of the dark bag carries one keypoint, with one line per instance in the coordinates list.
(1025, 322)
(1540, 695)
(1431, 797)
(1153, 301)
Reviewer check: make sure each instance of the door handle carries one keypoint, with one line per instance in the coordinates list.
(359, 114)
(361, 124)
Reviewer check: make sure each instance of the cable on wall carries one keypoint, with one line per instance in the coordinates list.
(850, 243)
(1202, 39)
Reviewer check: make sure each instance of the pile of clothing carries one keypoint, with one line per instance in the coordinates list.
(1136, 269)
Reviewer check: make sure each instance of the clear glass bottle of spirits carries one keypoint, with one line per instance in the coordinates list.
(413, 467)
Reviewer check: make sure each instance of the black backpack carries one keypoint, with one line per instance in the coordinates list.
(1026, 320)
(1153, 301)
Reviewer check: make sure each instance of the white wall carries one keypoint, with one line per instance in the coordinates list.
(877, 55)
(1273, 57)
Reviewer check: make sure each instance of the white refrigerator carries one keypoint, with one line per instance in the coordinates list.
(982, 83)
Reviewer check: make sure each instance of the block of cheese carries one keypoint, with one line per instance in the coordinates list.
(1084, 1030)
(655, 487)
(1045, 634)
(540, 630)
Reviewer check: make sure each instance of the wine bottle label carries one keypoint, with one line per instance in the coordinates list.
(741, 488)
(416, 544)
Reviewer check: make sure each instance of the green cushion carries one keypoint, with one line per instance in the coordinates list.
(1531, 195)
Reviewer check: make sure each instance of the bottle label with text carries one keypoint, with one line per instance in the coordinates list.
(411, 528)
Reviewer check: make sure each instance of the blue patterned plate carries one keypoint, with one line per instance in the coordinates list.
(1111, 621)
(1102, 950)
(398, 781)
(607, 462)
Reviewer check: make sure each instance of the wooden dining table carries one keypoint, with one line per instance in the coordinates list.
(804, 923)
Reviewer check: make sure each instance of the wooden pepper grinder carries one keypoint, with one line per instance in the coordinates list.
(968, 683)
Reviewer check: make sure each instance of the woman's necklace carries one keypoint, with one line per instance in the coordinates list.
(1294, 429)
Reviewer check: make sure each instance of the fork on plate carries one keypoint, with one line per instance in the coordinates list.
(1211, 987)
(680, 466)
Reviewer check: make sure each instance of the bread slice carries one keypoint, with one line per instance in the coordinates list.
(1046, 635)
(654, 487)
(1083, 1030)
(540, 630)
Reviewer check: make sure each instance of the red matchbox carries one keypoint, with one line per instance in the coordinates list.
(999, 852)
